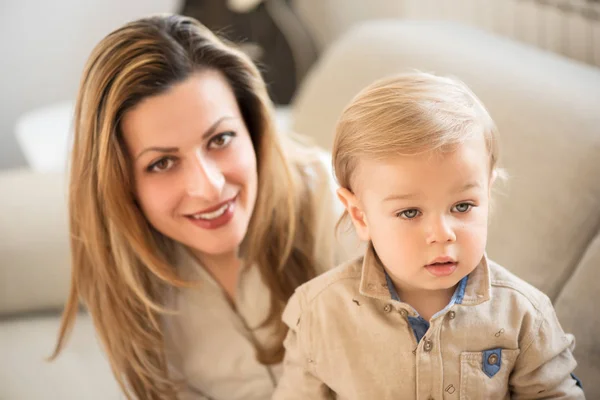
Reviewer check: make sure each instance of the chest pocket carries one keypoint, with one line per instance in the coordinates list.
(484, 374)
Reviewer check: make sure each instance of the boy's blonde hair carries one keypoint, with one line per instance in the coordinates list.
(409, 114)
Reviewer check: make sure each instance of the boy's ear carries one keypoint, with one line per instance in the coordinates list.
(493, 178)
(357, 216)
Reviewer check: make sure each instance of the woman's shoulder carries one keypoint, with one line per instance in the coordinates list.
(301, 150)
(311, 163)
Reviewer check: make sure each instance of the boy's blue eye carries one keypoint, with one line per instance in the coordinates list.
(409, 214)
(462, 207)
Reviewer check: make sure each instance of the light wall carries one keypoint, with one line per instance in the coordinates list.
(43, 47)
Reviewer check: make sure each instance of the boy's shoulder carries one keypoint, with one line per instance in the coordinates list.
(339, 281)
(506, 283)
(325, 293)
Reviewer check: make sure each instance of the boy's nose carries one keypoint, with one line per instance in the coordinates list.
(440, 231)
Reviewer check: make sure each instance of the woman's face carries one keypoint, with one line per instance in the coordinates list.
(194, 164)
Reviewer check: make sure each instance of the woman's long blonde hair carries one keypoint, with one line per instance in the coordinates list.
(408, 114)
(121, 266)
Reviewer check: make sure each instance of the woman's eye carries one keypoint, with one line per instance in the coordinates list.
(463, 207)
(221, 140)
(161, 165)
(409, 214)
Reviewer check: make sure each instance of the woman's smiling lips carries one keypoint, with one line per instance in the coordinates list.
(216, 216)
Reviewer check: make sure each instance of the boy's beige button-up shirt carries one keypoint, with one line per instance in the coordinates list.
(349, 337)
(210, 343)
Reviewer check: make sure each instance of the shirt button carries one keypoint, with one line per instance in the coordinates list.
(451, 315)
(403, 312)
(492, 359)
(387, 308)
(428, 345)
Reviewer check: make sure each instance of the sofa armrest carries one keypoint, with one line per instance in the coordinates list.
(576, 309)
(34, 245)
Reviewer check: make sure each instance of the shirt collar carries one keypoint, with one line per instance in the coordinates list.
(375, 282)
(457, 297)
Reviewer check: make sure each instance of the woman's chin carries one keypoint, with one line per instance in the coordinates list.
(216, 249)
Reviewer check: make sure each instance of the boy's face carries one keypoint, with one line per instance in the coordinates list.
(426, 215)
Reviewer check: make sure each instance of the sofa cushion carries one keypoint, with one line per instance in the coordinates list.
(546, 108)
(80, 372)
(34, 248)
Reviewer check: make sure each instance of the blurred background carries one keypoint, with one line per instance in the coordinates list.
(45, 43)
(534, 63)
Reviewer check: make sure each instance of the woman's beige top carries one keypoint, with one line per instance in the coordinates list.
(210, 342)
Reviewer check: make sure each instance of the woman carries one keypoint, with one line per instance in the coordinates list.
(192, 221)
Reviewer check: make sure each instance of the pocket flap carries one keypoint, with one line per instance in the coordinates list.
(491, 361)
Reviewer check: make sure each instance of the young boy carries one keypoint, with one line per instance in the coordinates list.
(424, 314)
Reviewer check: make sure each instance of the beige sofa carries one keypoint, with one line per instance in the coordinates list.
(545, 225)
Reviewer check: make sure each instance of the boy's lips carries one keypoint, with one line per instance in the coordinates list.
(442, 260)
(440, 269)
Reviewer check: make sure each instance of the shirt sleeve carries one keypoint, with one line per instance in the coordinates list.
(545, 365)
(299, 379)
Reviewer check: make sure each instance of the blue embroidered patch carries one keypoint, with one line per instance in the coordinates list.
(492, 360)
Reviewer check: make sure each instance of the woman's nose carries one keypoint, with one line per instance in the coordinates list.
(205, 179)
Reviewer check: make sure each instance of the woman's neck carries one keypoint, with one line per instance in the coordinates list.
(224, 269)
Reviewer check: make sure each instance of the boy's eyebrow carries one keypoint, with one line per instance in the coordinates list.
(468, 186)
(400, 197)
(408, 196)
